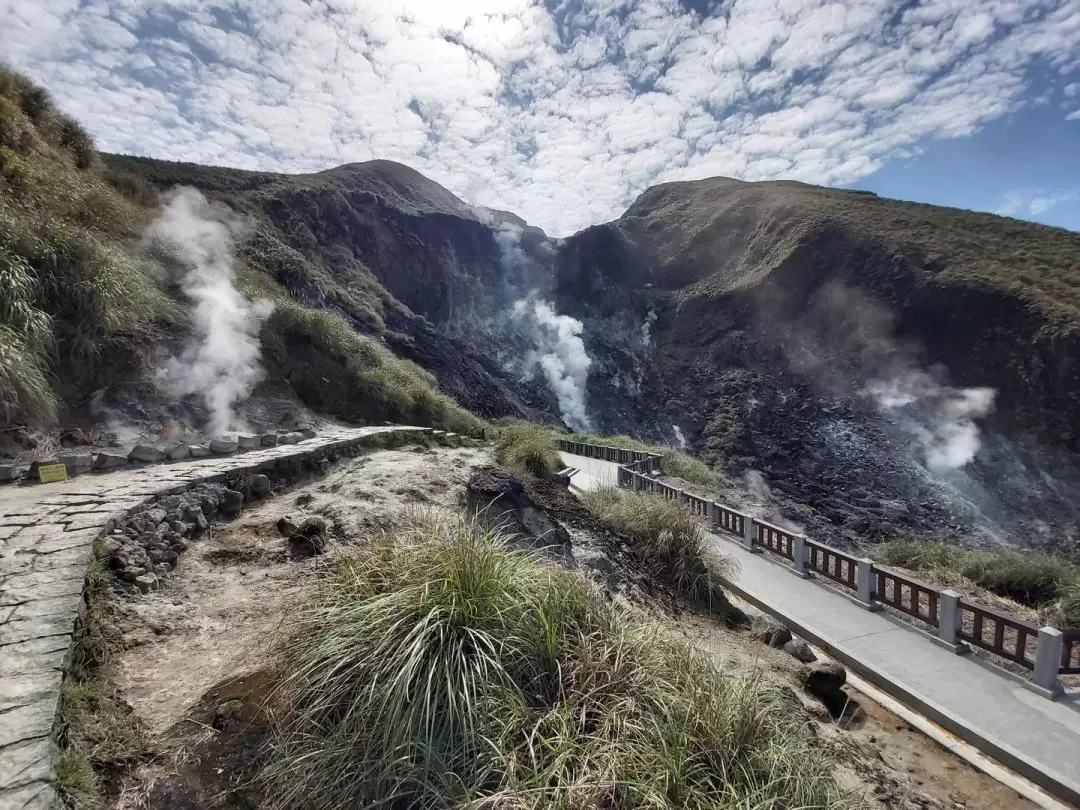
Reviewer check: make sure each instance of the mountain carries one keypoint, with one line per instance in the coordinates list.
(859, 366)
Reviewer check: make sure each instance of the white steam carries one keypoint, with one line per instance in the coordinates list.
(646, 328)
(221, 359)
(560, 354)
(942, 418)
(762, 504)
(679, 437)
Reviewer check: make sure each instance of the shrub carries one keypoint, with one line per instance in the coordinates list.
(1034, 579)
(528, 450)
(434, 668)
(668, 539)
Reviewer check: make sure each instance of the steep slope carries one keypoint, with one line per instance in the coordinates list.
(94, 305)
(841, 344)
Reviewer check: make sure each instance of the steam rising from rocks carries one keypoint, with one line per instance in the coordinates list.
(221, 361)
(560, 354)
(940, 417)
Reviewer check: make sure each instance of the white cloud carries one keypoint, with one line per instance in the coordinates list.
(1034, 203)
(562, 117)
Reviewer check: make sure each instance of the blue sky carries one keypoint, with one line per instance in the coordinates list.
(563, 111)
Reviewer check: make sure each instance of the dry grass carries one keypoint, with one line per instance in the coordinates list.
(528, 450)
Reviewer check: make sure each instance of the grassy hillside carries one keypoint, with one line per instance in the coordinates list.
(83, 306)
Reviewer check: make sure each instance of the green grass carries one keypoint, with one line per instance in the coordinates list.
(435, 668)
(668, 540)
(96, 731)
(1041, 581)
(528, 450)
(675, 462)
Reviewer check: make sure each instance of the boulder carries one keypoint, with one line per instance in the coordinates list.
(146, 454)
(825, 680)
(800, 650)
(37, 464)
(194, 515)
(177, 451)
(304, 546)
(308, 433)
(155, 515)
(223, 445)
(109, 461)
(145, 582)
(769, 631)
(78, 461)
(199, 450)
(268, 440)
(498, 499)
(290, 438)
(232, 502)
(287, 527)
(312, 526)
(228, 715)
(248, 442)
(259, 486)
(8, 472)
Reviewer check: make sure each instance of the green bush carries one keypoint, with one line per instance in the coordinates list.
(668, 539)
(435, 668)
(528, 450)
(1034, 579)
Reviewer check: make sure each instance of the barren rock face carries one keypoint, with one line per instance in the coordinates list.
(499, 499)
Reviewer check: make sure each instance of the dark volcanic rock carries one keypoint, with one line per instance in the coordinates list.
(499, 499)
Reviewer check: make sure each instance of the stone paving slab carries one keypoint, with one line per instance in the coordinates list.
(47, 532)
(1036, 737)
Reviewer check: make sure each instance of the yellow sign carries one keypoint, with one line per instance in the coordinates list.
(51, 473)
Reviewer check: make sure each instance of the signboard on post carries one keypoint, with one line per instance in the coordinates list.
(51, 473)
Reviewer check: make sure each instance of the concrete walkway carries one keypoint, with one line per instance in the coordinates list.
(1036, 737)
(47, 533)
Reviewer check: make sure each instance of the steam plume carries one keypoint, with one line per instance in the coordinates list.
(560, 354)
(942, 418)
(646, 327)
(221, 359)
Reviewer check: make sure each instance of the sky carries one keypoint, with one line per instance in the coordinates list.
(564, 111)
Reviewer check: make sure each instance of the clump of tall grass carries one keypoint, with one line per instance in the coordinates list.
(675, 462)
(1045, 582)
(528, 450)
(436, 668)
(668, 540)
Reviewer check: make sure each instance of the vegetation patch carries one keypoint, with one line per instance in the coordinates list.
(528, 450)
(1044, 582)
(98, 734)
(436, 668)
(667, 539)
(675, 462)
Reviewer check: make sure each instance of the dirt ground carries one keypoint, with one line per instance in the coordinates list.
(201, 645)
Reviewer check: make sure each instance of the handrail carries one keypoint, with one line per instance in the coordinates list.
(1046, 651)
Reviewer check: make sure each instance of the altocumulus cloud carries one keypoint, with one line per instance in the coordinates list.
(560, 111)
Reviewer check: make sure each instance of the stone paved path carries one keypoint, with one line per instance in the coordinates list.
(46, 537)
(1036, 737)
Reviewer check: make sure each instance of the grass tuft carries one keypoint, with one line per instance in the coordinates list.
(668, 540)
(435, 668)
(1040, 581)
(528, 450)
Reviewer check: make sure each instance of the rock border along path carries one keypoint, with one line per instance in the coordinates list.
(1037, 738)
(47, 533)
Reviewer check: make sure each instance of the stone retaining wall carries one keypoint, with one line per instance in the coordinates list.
(47, 533)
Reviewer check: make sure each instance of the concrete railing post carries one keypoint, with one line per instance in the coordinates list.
(800, 559)
(1048, 662)
(750, 534)
(948, 629)
(865, 581)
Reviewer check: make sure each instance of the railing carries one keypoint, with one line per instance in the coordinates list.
(1046, 651)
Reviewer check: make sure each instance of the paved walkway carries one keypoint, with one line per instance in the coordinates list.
(1036, 737)
(46, 537)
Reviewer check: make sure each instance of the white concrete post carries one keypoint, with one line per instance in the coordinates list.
(800, 561)
(864, 581)
(750, 534)
(1048, 661)
(948, 628)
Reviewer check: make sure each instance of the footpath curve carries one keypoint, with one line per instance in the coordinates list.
(1037, 738)
(47, 533)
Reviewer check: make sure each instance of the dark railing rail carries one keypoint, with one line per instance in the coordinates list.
(1046, 651)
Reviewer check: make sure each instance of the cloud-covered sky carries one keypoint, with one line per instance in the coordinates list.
(564, 111)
